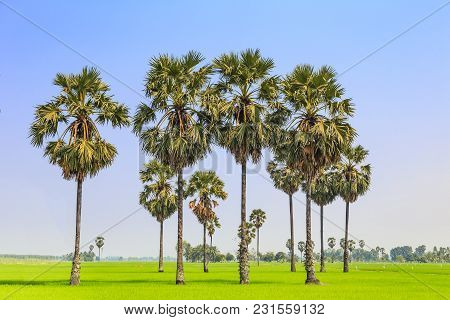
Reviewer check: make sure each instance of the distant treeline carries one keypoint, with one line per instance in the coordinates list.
(195, 254)
(30, 256)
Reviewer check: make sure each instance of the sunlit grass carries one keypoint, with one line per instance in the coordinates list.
(140, 280)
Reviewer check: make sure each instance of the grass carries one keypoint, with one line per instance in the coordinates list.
(140, 280)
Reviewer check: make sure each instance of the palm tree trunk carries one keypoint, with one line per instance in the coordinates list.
(257, 245)
(76, 263)
(347, 211)
(161, 254)
(309, 253)
(180, 272)
(291, 217)
(99, 253)
(243, 246)
(212, 258)
(322, 255)
(205, 256)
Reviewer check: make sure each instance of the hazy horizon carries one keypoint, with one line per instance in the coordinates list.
(401, 94)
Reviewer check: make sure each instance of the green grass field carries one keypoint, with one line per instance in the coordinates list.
(136, 280)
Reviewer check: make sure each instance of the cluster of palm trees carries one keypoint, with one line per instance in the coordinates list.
(234, 102)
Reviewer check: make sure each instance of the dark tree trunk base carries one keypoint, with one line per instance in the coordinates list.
(180, 282)
(75, 274)
(312, 282)
(160, 270)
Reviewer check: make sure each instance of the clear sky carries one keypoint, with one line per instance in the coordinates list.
(401, 93)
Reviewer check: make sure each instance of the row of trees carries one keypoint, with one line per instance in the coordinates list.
(419, 254)
(236, 103)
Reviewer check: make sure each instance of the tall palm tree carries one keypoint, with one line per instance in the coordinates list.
(353, 181)
(288, 180)
(158, 198)
(316, 132)
(99, 242)
(323, 192)
(181, 135)
(71, 118)
(207, 188)
(301, 248)
(257, 218)
(246, 92)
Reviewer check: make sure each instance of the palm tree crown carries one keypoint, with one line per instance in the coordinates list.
(331, 242)
(257, 218)
(158, 195)
(207, 187)
(324, 190)
(246, 91)
(72, 117)
(180, 137)
(353, 176)
(318, 128)
(285, 178)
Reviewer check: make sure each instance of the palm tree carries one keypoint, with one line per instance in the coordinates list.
(316, 133)
(207, 188)
(72, 118)
(158, 197)
(212, 225)
(181, 136)
(331, 243)
(353, 181)
(99, 242)
(246, 90)
(362, 244)
(257, 218)
(301, 248)
(288, 180)
(351, 246)
(323, 192)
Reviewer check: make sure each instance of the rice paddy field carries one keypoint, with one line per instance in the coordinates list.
(140, 280)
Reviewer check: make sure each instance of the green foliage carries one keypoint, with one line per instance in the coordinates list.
(244, 93)
(324, 189)
(284, 178)
(257, 218)
(353, 178)
(317, 129)
(158, 196)
(182, 134)
(280, 257)
(229, 257)
(207, 189)
(71, 118)
(331, 242)
(99, 242)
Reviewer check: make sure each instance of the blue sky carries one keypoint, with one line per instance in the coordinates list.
(401, 94)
